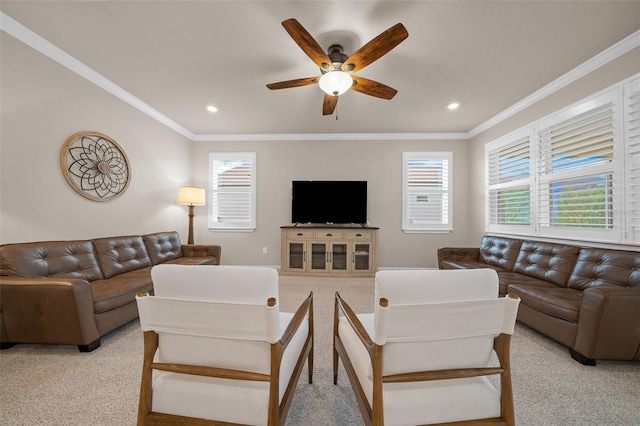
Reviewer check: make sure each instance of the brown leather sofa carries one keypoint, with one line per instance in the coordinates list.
(586, 298)
(74, 292)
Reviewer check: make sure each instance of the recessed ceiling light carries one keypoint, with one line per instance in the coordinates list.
(211, 108)
(453, 105)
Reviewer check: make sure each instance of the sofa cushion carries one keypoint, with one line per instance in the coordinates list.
(467, 264)
(193, 261)
(163, 246)
(598, 267)
(113, 293)
(117, 255)
(507, 278)
(51, 259)
(546, 261)
(500, 252)
(559, 302)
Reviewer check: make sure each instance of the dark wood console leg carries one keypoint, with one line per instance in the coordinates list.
(581, 358)
(90, 347)
(6, 345)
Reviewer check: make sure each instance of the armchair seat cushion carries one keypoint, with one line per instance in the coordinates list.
(563, 303)
(412, 403)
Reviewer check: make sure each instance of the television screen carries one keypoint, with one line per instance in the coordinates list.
(329, 202)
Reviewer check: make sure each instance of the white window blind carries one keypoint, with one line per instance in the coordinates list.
(232, 191)
(509, 183)
(576, 188)
(426, 193)
(631, 92)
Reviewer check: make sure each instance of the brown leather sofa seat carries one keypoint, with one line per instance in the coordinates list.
(583, 297)
(74, 292)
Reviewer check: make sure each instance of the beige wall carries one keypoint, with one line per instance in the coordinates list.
(377, 162)
(617, 70)
(42, 103)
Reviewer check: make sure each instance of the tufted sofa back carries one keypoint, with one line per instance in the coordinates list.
(605, 268)
(51, 259)
(546, 261)
(501, 252)
(163, 246)
(117, 255)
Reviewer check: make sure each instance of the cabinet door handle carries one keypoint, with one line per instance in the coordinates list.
(358, 235)
(329, 235)
(299, 234)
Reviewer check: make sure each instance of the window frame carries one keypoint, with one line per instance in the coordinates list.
(446, 225)
(242, 158)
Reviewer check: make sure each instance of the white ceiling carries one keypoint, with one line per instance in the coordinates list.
(177, 57)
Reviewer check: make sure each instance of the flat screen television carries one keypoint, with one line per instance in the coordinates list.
(317, 201)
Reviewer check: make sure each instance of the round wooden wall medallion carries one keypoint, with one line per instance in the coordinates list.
(95, 166)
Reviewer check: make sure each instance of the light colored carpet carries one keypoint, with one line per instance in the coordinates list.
(57, 385)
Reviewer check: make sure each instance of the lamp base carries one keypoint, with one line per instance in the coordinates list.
(190, 238)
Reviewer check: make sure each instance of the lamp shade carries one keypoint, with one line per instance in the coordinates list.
(335, 82)
(191, 195)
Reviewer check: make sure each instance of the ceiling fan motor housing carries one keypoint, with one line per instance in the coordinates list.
(337, 56)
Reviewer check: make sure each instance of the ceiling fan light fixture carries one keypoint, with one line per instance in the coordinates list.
(335, 83)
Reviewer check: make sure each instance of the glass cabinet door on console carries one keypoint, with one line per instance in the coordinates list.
(338, 262)
(362, 250)
(329, 257)
(319, 257)
(295, 250)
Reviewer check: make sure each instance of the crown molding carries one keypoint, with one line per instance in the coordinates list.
(330, 137)
(623, 46)
(30, 38)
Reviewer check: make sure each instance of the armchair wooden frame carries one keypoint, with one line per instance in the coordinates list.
(374, 415)
(277, 409)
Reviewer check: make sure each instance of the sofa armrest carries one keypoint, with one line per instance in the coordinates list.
(202, 250)
(47, 310)
(609, 323)
(458, 254)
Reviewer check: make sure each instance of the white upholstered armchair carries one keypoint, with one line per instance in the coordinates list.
(223, 350)
(424, 355)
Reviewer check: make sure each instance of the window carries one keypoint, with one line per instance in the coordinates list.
(232, 191)
(426, 191)
(576, 194)
(572, 175)
(509, 180)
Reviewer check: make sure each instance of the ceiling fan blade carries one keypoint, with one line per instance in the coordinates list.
(329, 104)
(375, 49)
(373, 88)
(293, 83)
(307, 43)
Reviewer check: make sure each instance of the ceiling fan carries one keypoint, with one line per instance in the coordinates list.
(337, 68)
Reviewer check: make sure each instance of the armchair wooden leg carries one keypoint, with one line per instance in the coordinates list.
(335, 333)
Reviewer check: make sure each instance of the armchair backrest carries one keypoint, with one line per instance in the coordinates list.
(215, 316)
(439, 319)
